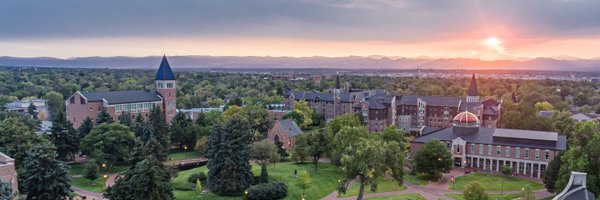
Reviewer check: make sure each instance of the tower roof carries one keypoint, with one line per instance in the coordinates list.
(164, 71)
(473, 87)
(337, 81)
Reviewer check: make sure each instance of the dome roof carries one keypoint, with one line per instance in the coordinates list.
(466, 119)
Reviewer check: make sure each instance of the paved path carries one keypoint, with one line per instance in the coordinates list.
(89, 195)
(434, 190)
(110, 181)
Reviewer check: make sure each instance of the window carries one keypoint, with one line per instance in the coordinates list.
(489, 150)
(498, 148)
(507, 151)
(547, 155)
(472, 148)
(119, 108)
(72, 100)
(140, 106)
(81, 100)
(457, 148)
(147, 105)
(481, 149)
(159, 85)
(526, 153)
(169, 85)
(518, 152)
(537, 154)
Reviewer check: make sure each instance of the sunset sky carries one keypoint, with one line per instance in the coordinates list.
(489, 30)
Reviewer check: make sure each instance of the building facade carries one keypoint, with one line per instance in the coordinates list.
(82, 105)
(8, 172)
(22, 106)
(380, 109)
(527, 152)
(285, 132)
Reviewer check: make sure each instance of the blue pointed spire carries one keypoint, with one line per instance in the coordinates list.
(164, 71)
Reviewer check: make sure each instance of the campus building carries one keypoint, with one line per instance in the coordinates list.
(285, 132)
(82, 105)
(380, 109)
(8, 172)
(527, 152)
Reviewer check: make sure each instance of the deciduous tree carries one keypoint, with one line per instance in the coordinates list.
(109, 142)
(433, 159)
(474, 191)
(264, 152)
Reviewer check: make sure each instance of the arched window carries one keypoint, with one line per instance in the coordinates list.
(276, 138)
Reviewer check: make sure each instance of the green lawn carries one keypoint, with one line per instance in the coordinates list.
(324, 181)
(183, 155)
(415, 180)
(79, 169)
(95, 186)
(490, 196)
(412, 196)
(494, 182)
(383, 185)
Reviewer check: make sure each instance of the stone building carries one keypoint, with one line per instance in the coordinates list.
(8, 172)
(82, 105)
(527, 152)
(284, 131)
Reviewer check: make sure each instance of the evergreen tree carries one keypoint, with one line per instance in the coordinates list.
(147, 180)
(6, 191)
(228, 152)
(46, 177)
(32, 110)
(91, 171)
(552, 173)
(104, 117)
(125, 119)
(85, 127)
(200, 119)
(159, 126)
(64, 137)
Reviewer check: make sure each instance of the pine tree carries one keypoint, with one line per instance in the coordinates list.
(228, 151)
(159, 126)
(104, 117)
(64, 137)
(125, 119)
(85, 127)
(147, 180)
(46, 177)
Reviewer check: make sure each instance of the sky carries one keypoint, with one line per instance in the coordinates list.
(482, 29)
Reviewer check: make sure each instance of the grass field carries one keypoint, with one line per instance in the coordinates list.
(79, 169)
(494, 182)
(183, 155)
(415, 180)
(383, 185)
(412, 196)
(324, 181)
(490, 196)
(95, 186)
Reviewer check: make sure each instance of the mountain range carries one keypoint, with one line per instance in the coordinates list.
(562, 63)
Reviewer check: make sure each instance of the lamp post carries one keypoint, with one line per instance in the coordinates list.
(185, 152)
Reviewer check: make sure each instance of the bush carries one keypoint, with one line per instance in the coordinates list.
(267, 191)
(194, 177)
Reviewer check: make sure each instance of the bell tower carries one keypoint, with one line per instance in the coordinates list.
(165, 86)
(473, 93)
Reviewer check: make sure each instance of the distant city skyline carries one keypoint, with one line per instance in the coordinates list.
(487, 30)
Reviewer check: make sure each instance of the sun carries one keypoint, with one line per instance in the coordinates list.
(493, 42)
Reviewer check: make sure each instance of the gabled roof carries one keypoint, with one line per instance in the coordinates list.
(473, 87)
(431, 100)
(119, 97)
(164, 71)
(290, 127)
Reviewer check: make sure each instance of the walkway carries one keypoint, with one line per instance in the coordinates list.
(434, 190)
(89, 195)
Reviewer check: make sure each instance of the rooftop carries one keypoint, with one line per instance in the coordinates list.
(290, 127)
(164, 71)
(120, 97)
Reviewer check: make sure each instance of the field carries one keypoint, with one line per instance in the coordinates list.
(494, 182)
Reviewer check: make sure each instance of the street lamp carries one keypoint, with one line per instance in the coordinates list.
(105, 176)
(103, 165)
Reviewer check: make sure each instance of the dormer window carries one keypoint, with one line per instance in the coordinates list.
(170, 85)
(160, 85)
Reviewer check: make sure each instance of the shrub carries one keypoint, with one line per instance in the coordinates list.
(267, 191)
(194, 177)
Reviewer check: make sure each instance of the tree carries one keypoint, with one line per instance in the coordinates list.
(346, 137)
(6, 191)
(228, 152)
(527, 193)
(198, 186)
(147, 180)
(342, 121)
(296, 116)
(125, 119)
(264, 152)
(55, 101)
(551, 173)
(540, 106)
(64, 137)
(85, 127)
(474, 191)
(303, 181)
(581, 99)
(433, 159)
(110, 143)
(280, 150)
(91, 171)
(160, 129)
(32, 110)
(46, 176)
(562, 122)
(583, 155)
(506, 171)
(183, 131)
(103, 117)
(318, 143)
(300, 150)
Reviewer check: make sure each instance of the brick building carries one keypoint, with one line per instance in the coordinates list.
(284, 131)
(7, 171)
(380, 109)
(88, 104)
(527, 152)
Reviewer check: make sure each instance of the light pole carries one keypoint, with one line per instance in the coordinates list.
(185, 152)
